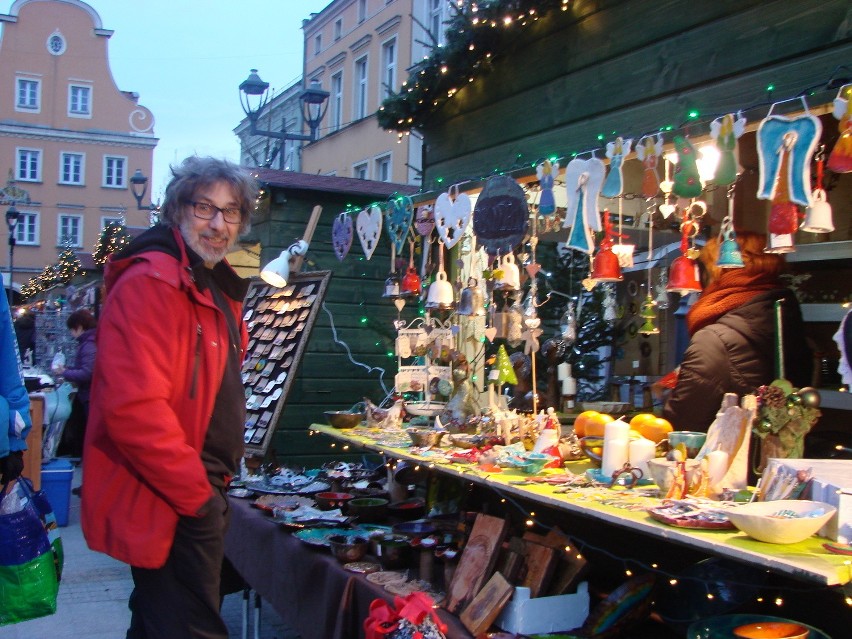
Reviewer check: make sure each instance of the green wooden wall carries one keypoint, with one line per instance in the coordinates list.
(326, 379)
(631, 67)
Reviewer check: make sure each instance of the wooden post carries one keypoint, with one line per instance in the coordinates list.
(296, 263)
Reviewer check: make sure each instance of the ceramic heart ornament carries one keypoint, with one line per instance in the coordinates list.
(369, 227)
(341, 235)
(424, 220)
(399, 215)
(452, 217)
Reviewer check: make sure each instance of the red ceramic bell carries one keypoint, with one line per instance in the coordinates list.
(411, 282)
(683, 276)
(605, 265)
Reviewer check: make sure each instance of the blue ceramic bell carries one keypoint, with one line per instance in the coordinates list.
(730, 255)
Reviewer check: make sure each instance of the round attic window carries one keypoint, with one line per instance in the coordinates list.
(56, 43)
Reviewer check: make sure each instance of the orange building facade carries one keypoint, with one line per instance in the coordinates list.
(68, 136)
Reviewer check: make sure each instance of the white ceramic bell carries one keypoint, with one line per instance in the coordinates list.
(818, 215)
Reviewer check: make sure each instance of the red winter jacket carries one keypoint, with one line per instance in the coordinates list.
(162, 345)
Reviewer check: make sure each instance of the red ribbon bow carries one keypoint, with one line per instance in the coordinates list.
(414, 608)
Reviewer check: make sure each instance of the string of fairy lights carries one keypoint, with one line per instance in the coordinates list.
(773, 596)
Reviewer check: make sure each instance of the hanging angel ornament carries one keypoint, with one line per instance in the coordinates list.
(726, 131)
(617, 151)
(583, 181)
(568, 324)
(687, 181)
(547, 172)
(649, 151)
(840, 159)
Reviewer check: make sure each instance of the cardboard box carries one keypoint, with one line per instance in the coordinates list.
(56, 479)
(832, 484)
(527, 616)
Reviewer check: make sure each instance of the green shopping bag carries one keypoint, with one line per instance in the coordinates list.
(29, 579)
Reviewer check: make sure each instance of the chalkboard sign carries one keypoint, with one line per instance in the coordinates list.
(279, 323)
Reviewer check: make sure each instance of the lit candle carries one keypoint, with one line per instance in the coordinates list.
(717, 466)
(639, 452)
(614, 455)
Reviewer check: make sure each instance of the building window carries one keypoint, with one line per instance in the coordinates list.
(362, 11)
(115, 171)
(70, 231)
(318, 44)
(27, 230)
(360, 110)
(336, 100)
(383, 168)
(28, 95)
(79, 101)
(108, 219)
(338, 29)
(56, 43)
(388, 69)
(71, 168)
(361, 171)
(29, 165)
(436, 20)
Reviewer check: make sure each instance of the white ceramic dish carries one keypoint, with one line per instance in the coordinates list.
(783, 521)
(427, 409)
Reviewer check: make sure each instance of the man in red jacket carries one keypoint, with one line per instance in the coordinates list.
(167, 409)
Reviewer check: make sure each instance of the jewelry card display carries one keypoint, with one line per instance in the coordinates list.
(279, 322)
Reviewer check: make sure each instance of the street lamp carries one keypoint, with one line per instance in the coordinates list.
(254, 96)
(139, 186)
(12, 217)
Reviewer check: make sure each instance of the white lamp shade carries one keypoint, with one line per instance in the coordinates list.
(277, 272)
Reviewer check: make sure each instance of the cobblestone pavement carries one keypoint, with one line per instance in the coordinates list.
(93, 595)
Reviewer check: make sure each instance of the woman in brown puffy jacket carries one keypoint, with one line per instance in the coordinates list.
(732, 346)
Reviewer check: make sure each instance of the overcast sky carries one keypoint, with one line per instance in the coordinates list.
(186, 58)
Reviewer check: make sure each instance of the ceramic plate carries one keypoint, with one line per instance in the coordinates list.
(319, 536)
(722, 626)
(284, 489)
(684, 515)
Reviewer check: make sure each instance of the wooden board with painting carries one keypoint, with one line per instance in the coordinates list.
(477, 561)
(487, 605)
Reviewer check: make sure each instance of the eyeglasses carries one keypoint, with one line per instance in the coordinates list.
(205, 211)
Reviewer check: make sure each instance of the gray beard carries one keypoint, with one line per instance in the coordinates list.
(210, 257)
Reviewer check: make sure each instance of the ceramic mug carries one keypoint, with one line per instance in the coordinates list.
(693, 441)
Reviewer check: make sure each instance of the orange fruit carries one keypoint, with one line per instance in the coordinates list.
(580, 422)
(639, 419)
(596, 424)
(656, 429)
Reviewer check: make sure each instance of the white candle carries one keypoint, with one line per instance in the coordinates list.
(639, 452)
(717, 466)
(569, 386)
(614, 456)
(616, 430)
(563, 371)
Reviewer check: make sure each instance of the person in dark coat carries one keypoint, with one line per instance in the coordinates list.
(733, 343)
(82, 325)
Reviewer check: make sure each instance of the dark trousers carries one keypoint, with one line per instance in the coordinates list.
(181, 600)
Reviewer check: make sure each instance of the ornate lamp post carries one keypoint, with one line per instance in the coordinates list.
(12, 217)
(254, 96)
(139, 186)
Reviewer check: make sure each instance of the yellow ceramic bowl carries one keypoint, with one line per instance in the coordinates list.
(772, 630)
(783, 521)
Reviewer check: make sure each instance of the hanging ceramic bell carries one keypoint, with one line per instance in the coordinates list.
(511, 279)
(730, 255)
(683, 276)
(779, 243)
(411, 282)
(392, 286)
(471, 299)
(605, 267)
(440, 293)
(648, 313)
(818, 215)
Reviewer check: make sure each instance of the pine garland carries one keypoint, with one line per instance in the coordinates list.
(476, 33)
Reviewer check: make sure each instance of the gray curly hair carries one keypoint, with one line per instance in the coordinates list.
(195, 172)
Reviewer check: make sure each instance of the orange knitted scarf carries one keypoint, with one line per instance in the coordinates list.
(734, 288)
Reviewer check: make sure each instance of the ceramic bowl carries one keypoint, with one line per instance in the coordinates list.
(662, 472)
(417, 528)
(408, 509)
(692, 440)
(425, 437)
(343, 418)
(329, 501)
(346, 548)
(466, 440)
(772, 630)
(783, 521)
(392, 551)
(593, 448)
(534, 463)
(367, 509)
